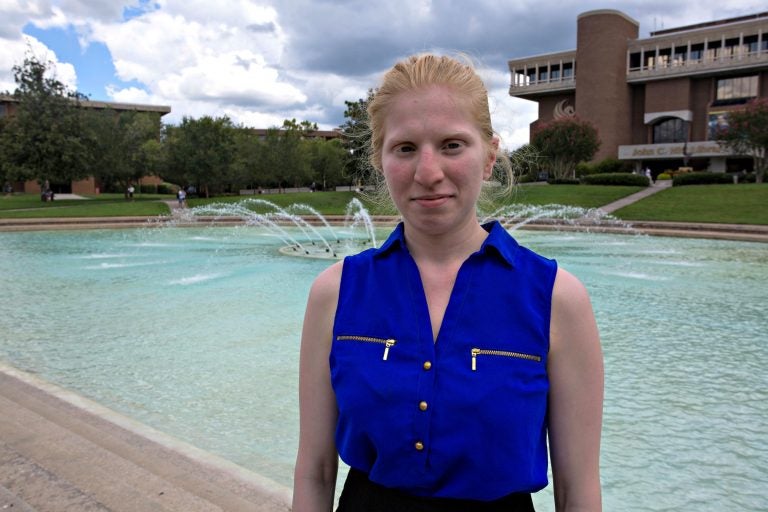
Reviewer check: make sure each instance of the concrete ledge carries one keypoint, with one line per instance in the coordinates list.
(62, 452)
(736, 232)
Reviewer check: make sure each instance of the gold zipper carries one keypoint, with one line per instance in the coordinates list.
(518, 355)
(388, 342)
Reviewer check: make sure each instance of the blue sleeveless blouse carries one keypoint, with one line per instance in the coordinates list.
(465, 416)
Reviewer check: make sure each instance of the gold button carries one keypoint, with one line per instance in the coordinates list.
(427, 365)
(423, 406)
(419, 445)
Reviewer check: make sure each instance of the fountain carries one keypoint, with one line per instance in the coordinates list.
(559, 217)
(312, 244)
(357, 228)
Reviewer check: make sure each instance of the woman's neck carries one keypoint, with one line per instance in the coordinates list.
(445, 248)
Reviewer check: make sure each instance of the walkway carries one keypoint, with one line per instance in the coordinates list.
(658, 186)
(60, 452)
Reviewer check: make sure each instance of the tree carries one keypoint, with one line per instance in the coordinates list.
(565, 143)
(124, 146)
(45, 138)
(357, 137)
(327, 161)
(747, 134)
(294, 167)
(247, 166)
(526, 163)
(200, 152)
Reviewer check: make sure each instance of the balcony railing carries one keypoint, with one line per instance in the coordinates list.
(681, 65)
(532, 86)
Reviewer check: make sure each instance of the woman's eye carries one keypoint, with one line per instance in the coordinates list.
(452, 145)
(404, 148)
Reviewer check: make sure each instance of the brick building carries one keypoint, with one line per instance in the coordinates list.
(654, 101)
(88, 185)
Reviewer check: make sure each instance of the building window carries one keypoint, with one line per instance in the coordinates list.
(554, 72)
(697, 52)
(3, 110)
(713, 51)
(717, 122)
(732, 47)
(665, 57)
(751, 45)
(669, 130)
(543, 75)
(567, 70)
(679, 55)
(735, 90)
(650, 61)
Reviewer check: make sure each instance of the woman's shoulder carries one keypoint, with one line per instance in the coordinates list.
(326, 284)
(568, 290)
(572, 316)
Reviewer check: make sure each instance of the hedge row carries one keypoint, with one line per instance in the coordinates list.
(701, 178)
(605, 166)
(616, 178)
(162, 188)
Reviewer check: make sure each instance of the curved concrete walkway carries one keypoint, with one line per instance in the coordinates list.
(60, 452)
(658, 186)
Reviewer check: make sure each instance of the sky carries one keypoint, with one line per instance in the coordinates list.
(262, 61)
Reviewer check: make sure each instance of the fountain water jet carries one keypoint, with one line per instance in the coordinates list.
(314, 243)
(558, 216)
(244, 211)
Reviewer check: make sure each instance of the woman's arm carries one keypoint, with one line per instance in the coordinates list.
(575, 370)
(317, 459)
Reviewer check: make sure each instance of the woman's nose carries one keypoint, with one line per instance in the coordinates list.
(428, 170)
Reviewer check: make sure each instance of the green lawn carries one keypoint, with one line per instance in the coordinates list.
(21, 206)
(737, 204)
(585, 196)
(731, 204)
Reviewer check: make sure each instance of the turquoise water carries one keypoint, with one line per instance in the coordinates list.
(195, 332)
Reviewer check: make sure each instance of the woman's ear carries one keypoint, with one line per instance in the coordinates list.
(493, 149)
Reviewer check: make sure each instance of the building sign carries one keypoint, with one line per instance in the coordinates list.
(661, 151)
(563, 110)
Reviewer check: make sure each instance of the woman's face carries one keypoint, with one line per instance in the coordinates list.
(434, 159)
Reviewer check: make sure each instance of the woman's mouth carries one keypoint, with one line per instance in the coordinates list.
(432, 201)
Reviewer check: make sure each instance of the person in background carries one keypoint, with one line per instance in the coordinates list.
(442, 364)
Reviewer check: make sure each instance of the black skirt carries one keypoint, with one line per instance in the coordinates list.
(362, 495)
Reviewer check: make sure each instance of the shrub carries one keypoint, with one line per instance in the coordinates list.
(664, 176)
(148, 189)
(701, 178)
(612, 166)
(749, 177)
(166, 188)
(617, 178)
(584, 169)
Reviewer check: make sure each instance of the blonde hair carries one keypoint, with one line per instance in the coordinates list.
(419, 71)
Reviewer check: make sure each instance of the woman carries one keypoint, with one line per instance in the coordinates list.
(454, 352)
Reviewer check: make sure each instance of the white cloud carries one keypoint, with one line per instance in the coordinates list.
(190, 53)
(17, 13)
(14, 53)
(262, 61)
